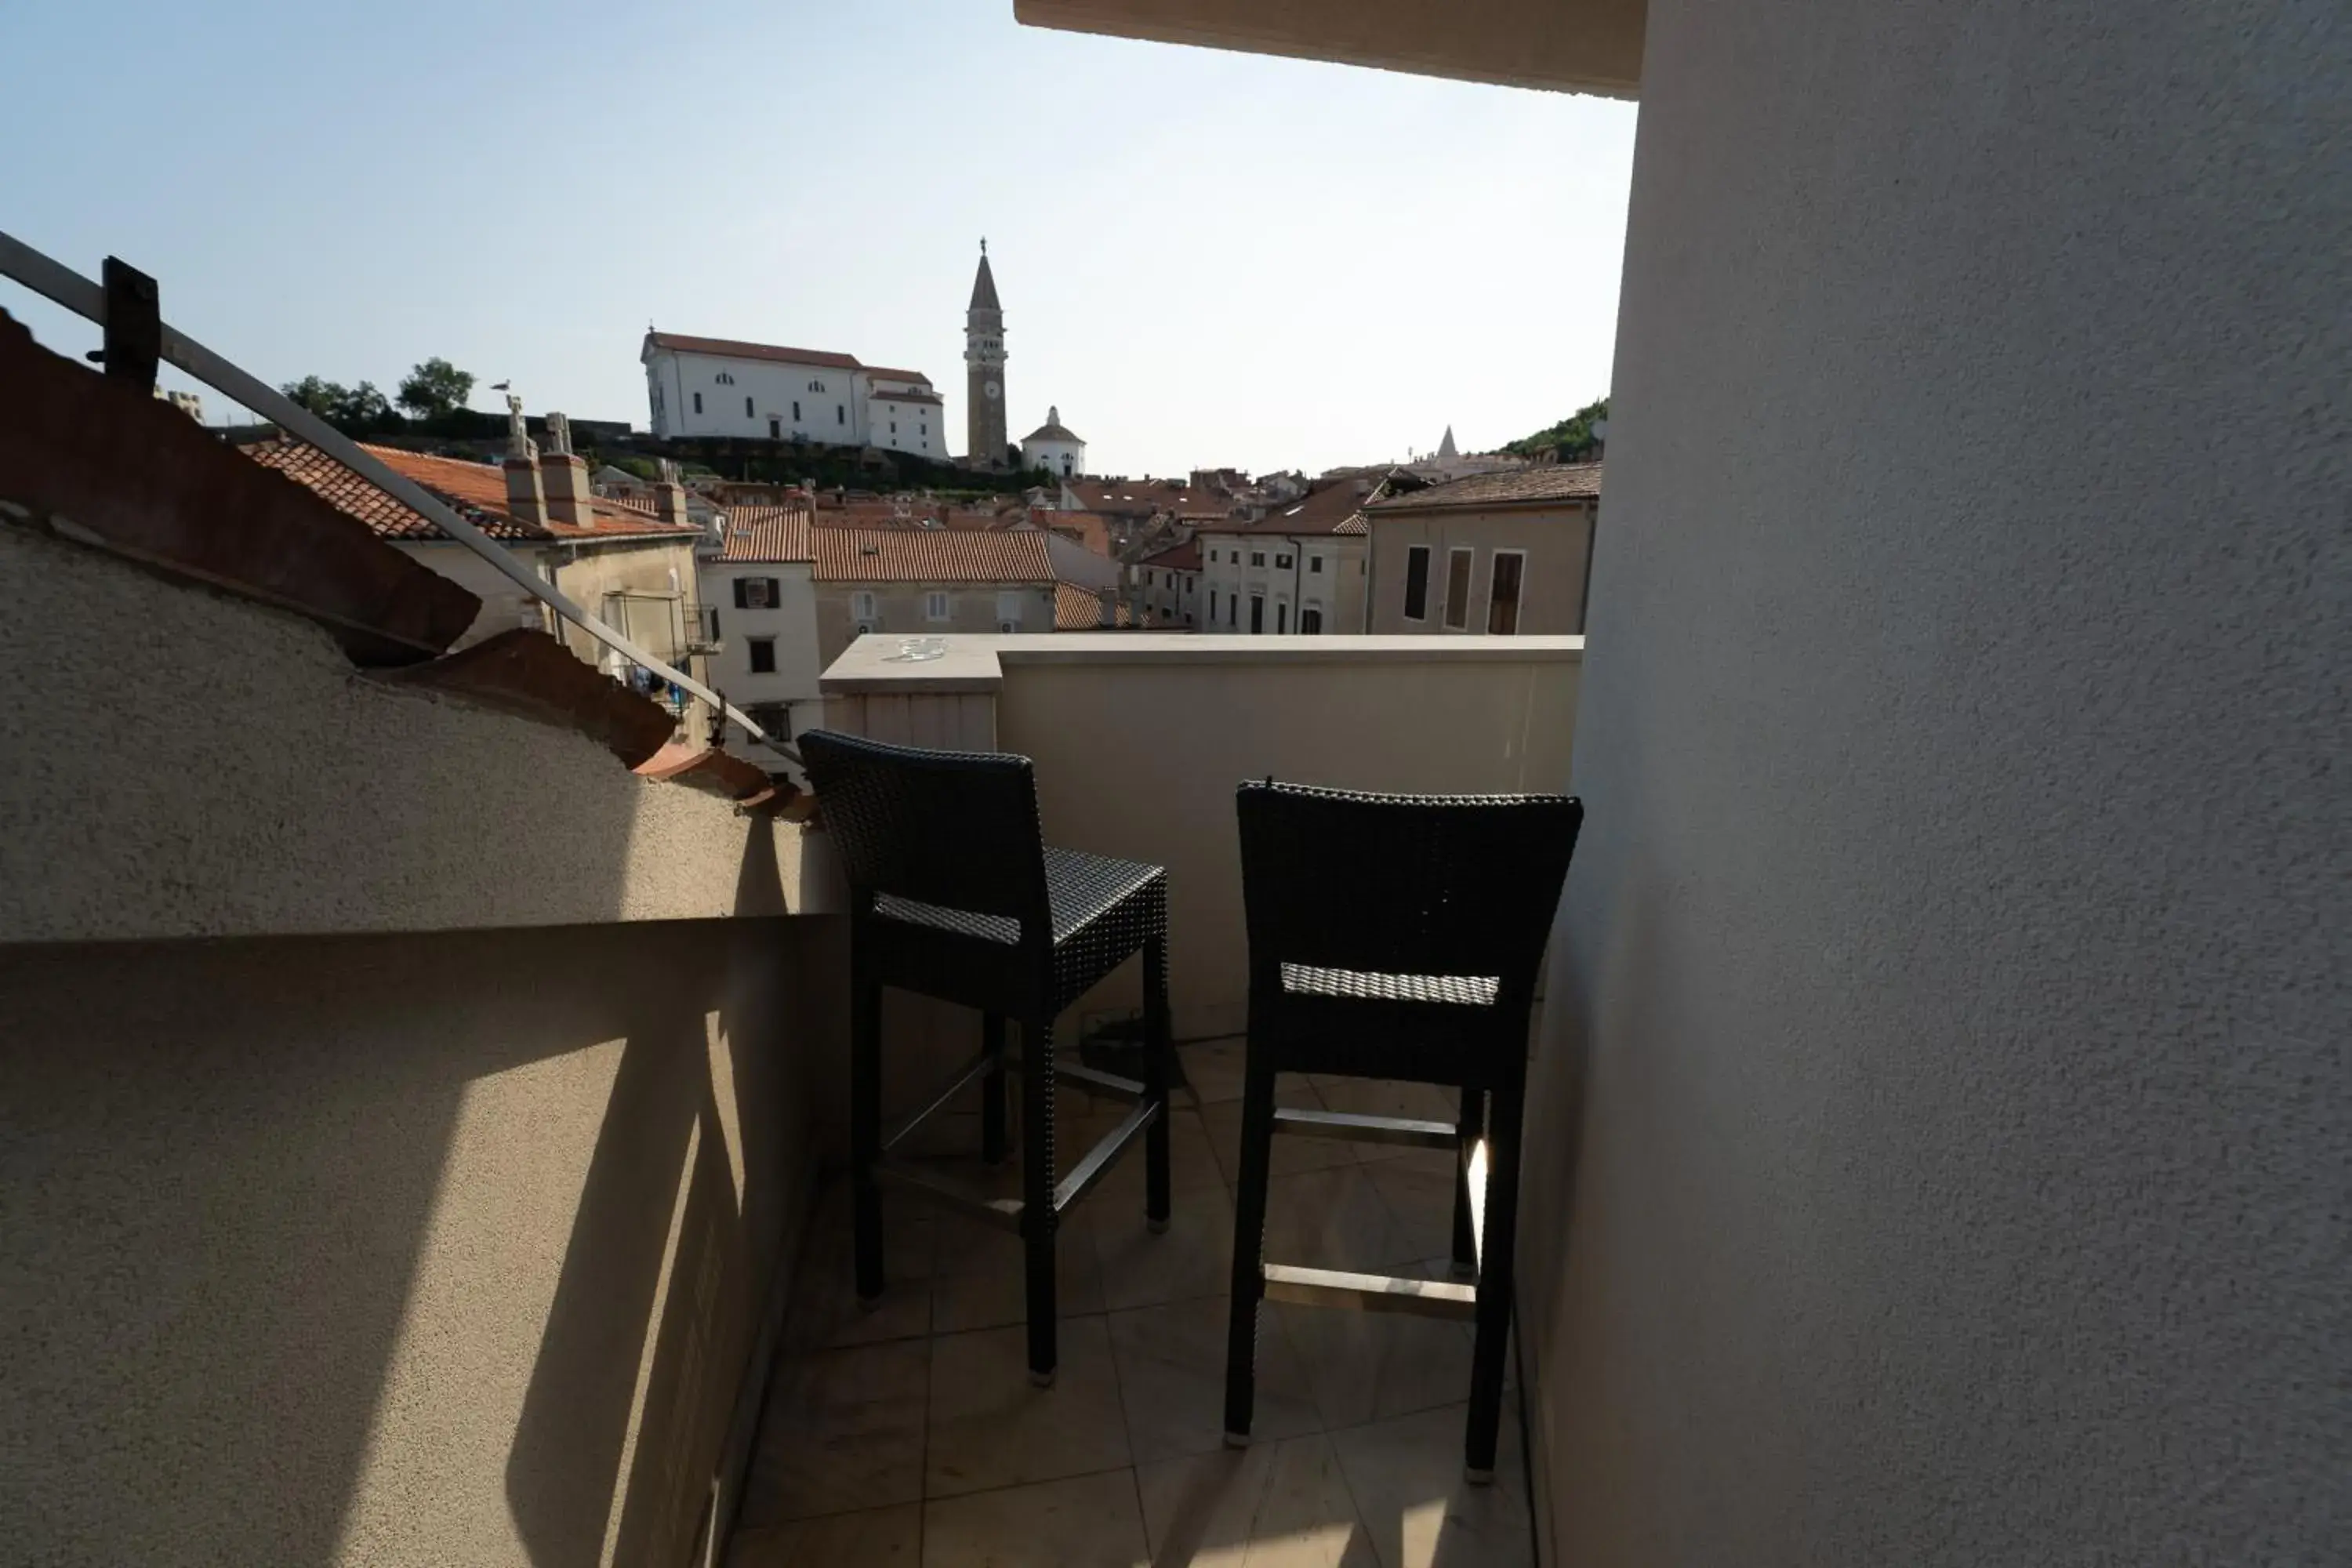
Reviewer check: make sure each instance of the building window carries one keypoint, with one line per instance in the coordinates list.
(1458, 564)
(1311, 621)
(1282, 562)
(935, 605)
(1503, 593)
(796, 411)
(1233, 609)
(775, 429)
(1416, 583)
(698, 403)
(1008, 611)
(747, 408)
(926, 430)
(894, 427)
(757, 594)
(763, 655)
(1281, 617)
(1212, 606)
(723, 379)
(1314, 564)
(1257, 557)
(1257, 613)
(840, 413)
(861, 606)
(816, 386)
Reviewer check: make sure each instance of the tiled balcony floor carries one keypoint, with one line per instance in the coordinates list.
(910, 1434)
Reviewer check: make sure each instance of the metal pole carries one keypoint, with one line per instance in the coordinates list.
(68, 287)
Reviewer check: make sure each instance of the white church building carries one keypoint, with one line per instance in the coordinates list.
(717, 386)
(1054, 447)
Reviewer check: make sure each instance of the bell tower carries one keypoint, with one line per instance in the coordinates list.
(983, 358)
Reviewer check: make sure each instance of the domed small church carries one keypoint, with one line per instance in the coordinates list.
(1054, 447)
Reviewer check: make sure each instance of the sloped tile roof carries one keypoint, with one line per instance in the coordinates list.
(1518, 487)
(782, 534)
(1334, 508)
(882, 372)
(477, 490)
(730, 348)
(1077, 609)
(931, 555)
(1184, 557)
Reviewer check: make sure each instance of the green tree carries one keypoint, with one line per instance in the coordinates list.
(434, 389)
(1572, 437)
(361, 407)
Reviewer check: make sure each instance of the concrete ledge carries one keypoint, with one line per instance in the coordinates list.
(976, 662)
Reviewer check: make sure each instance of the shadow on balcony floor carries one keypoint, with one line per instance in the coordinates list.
(910, 1433)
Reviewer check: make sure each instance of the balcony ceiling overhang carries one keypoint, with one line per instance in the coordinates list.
(1562, 45)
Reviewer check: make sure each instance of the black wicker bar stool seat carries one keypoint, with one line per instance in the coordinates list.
(954, 894)
(1395, 937)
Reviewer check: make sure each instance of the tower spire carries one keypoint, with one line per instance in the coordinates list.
(983, 355)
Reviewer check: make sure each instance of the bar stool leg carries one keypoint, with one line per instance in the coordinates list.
(866, 1131)
(1468, 1129)
(1038, 1221)
(992, 1090)
(1159, 1068)
(1495, 1278)
(1249, 1249)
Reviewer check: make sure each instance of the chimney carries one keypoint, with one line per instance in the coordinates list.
(670, 496)
(564, 478)
(526, 503)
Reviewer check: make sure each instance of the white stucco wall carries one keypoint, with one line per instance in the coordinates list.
(792, 622)
(1066, 459)
(835, 414)
(1337, 590)
(1943, 1102)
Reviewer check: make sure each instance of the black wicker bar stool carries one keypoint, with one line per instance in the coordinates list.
(954, 894)
(1395, 937)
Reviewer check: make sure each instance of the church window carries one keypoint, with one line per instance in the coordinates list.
(796, 413)
(747, 408)
(840, 414)
(816, 386)
(698, 403)
(723, 379)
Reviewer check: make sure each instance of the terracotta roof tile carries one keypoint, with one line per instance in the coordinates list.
(1334, 508)
(679, 342)
(477, 490)
(881, 372)
(1077, 609)
(1184, 557)
(776, 533)
(931, 555)
(1519, 487)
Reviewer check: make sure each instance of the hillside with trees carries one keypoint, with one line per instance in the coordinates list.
(1571, 438)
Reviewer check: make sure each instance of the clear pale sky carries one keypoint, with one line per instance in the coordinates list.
(1205, 259)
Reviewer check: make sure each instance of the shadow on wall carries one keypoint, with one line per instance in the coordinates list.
(313, 1244)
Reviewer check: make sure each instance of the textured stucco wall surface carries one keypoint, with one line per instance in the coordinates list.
(398, 1250)
(183, 763)
(1954, 966)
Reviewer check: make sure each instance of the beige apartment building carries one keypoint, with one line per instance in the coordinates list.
(1297, 570)
(1500, 555)
(910, 582)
